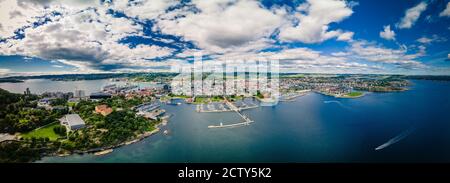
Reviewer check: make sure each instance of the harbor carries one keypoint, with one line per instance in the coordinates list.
(236, 109)
(299, 131)
(226, 106)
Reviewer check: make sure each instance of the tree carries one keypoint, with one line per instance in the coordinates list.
(58, 101)
(259, 95)
(60, 130)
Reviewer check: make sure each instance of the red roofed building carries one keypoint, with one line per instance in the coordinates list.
(103, 110)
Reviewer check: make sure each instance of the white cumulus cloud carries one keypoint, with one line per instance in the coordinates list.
(84, 36)
(143, 9)
(387, 33)
(223, 24)
(314, 17)
(429, 40)
(379, 54)
(446, 11)
(89, 37)
(412, 15)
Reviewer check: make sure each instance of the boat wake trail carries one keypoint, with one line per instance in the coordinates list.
(336, 102)
(396, 138)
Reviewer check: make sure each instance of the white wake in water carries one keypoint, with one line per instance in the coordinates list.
(331, 101)
(396, 138)
(336, 102)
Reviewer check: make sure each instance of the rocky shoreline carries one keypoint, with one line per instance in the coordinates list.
(109, 149)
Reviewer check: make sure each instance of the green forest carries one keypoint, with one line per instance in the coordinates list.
(40, 133)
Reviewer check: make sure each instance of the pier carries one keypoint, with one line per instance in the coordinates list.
(247, 120)
(230, 125)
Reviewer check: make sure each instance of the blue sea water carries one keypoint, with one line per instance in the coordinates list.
(313, 128)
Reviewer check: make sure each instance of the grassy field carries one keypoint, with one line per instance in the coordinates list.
(180, 96)
(354, 94)
(200, 100)
(46, 131)
(216, 99)
(71, 104)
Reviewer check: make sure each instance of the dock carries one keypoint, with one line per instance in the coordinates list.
(201, 108)
(247, 120)
(230, 125)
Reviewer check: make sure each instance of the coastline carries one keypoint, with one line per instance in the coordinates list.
(295, 95)
(108, 149)
(149, 154)
(341, 96)
(136, 137)
(348, 96)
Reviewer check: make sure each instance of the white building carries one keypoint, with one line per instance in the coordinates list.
(79, 94)
(72, 122)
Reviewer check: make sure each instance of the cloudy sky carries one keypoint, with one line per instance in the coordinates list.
(312, 36)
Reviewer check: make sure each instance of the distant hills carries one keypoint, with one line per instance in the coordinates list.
(74, 77)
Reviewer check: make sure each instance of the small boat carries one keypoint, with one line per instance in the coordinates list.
(173, 103)
(166, 132)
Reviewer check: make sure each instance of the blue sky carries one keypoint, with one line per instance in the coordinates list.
(312, 36)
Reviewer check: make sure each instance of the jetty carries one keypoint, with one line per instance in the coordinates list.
(230, 125)
(247, 120)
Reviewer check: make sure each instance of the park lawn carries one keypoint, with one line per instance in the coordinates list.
(200, 100)
(217, 99)
(180, 96)
(354, 94)
(46, 131)
(71, 104)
